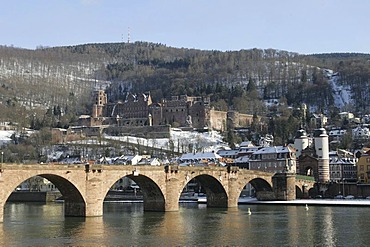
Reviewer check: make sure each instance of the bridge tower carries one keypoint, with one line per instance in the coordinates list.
(301, 142)
(321, 141)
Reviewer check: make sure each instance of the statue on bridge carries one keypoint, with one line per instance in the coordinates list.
(189, 122)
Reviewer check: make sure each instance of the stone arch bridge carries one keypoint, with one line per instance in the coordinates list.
(84, 187)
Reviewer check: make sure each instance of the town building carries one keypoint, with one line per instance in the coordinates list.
(242, 162)
(201, 159)
(346, 115)
(229, 154)
(363, 167)
(274, 159)
(361, 133)
(336, 135)
(239, 156)
(128, 160)
(318, 120)
(342, 166)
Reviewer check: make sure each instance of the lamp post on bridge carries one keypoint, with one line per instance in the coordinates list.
(2, 160)
(343, 187)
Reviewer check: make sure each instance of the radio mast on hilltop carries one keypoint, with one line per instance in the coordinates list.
(128, 35)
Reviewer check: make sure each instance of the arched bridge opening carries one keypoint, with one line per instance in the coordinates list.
(74, 203)
(216, 195)
(254, 188)
(152, 195)
(139, 187)
(262, 188)
(304, 186)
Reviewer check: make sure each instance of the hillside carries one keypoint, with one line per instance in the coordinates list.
(50, 86)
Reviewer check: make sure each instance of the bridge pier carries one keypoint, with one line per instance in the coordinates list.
(74, 209)
(1, 211)
(174, 188)
(233, 193)
(153, 204)
(217, 200)
(284, 186)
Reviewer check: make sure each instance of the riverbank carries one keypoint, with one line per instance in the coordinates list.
(34, 196)
(310, 202)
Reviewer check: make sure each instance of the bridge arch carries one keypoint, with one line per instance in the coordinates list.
(260, 185)
(304, 188)
(216, 194)
(153, 197)
(74, 201)
(298, 192)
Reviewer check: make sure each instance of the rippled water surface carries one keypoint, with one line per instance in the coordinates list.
(126, 224)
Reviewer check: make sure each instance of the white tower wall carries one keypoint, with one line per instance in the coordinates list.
(301, 142)
(321, 141)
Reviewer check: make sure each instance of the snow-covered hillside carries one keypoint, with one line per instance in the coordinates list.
(342, 94)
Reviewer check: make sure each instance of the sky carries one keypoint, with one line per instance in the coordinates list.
(302, 26)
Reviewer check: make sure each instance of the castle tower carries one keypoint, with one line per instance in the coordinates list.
(321, 141)
(100, 102)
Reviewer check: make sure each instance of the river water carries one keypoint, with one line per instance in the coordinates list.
(126, 224)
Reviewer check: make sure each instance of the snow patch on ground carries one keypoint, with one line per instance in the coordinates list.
(200, 142)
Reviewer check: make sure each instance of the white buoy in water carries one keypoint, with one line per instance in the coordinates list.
(249, 211)
(306, 207)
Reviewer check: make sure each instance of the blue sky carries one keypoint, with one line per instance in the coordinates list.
(303, 26)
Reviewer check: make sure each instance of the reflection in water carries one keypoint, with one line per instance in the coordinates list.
(171, 225)
(293, 223)
(329, 230)
(126, 224)
(43, 222)
(79, 231)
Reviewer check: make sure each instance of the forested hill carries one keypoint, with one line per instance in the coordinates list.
(62, 78)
